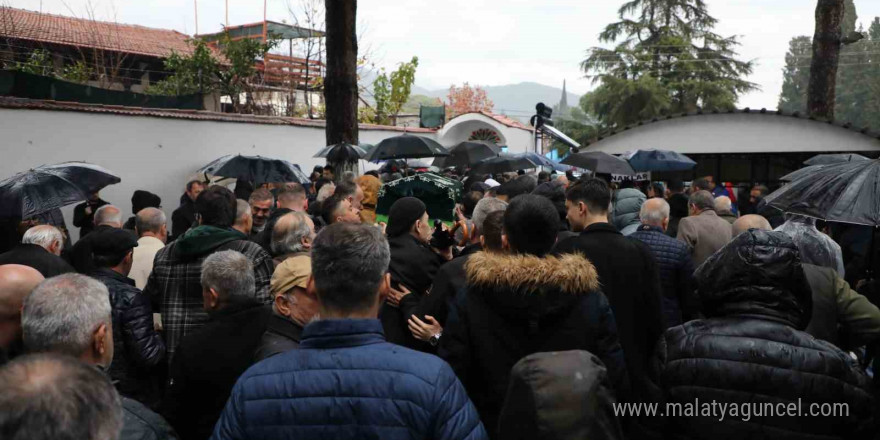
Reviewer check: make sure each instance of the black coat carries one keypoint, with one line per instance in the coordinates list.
(206, 365)
(281, 335)
(676, 269)
(413, 265)
(86, 222)
(751, 350)
(138, 350)
(629, 278)
(35, 256)
(678, 209)
(140, 423)
(183, 217)
(516, 305)
(80, 255)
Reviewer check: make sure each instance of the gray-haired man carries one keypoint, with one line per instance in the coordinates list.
(70, 315)
(674, 263)
(209, 360)
(40, 248)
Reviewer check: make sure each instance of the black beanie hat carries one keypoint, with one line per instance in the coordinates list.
(403, 213)
(144, 199)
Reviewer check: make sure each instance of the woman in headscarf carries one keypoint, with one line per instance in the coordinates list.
(370, 185)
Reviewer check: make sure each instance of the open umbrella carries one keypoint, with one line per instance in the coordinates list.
(504, 164)
(438, 193)
(48, 187)
(797, 174)
(830, 159)
(406, 146)
(847, 192)
(660, 160)
(543, 161)
(468, 153)
(342, 153)
(599, 162)
(256, 169)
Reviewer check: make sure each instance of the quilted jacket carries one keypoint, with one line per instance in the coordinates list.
(137, 347)
(676, 274)
(751, 353)
(347, 382)
(625, 213)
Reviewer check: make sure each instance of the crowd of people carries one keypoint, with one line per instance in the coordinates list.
(288, 311)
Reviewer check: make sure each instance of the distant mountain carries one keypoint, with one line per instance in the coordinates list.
(515, 100)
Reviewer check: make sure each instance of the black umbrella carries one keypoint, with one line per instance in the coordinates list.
(406, 147)
(504, 164)
(48, 187)
(468, 153)
(599, 162)
(830, 159)
(797, 174)
(255, 169)
(342, 153)
(846, 192)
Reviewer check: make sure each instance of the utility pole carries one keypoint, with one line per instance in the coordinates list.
(196, 8)
(826, 56)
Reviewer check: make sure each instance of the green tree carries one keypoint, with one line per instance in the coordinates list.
(38, 62)
(666, 58)
(796, 75)
(391, 92)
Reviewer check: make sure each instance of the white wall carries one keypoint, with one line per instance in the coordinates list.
(460, 128)
(737, 133)
(149, 153)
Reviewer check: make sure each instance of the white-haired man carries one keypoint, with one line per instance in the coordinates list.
(151, 226)
(723, 209)
(40, 248)
(70, 315)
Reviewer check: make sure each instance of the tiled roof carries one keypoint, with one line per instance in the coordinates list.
(58, 29)
(867, 131)
(507, 121)
(199, 115)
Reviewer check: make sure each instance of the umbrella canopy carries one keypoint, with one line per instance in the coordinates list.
(660, 160)
(438, 193)
(797, 174)
(830, 159)
(406, 146)
(255, 169)
(342, 153)
(47, 187)
(847, 192)
(467, 154)
(504, 164)
(599, 162)
(543, 161)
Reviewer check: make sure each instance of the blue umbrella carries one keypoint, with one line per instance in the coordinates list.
(660, 160)
(543, 161)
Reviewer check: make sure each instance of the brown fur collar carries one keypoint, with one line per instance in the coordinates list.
(570, 273)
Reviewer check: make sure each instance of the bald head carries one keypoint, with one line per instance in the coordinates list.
(722, 204)
(751, 221)
(151, 222)
(293, 233)
(16, 282)
(108, 215)
(655, 212)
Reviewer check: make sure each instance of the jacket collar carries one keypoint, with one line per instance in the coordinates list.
(104, 272)
(234, 309)
(708, 211)
(285, 327)
(650, 228)
(471, 249)
(339, 333)
(569, 273)
(150, 241)
(600, 227)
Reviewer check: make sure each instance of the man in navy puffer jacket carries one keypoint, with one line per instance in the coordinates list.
(674, 263)
(346, 381)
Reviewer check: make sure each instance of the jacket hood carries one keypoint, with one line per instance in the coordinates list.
(627, 203)
(204, 239)
(759, 273)
(527, 286)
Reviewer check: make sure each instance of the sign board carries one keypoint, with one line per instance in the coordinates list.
(639, 177)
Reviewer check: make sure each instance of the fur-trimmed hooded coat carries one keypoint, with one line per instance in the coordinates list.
(516, 305)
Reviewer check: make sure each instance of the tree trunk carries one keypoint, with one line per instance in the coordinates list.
(826, 54)
(340, 86)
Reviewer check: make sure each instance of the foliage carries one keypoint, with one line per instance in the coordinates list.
(466, 99)
(39, 62)
(666, 59)
(78, 72)
(416, 101)
(858, 76)
(391, 92)
(201, 72)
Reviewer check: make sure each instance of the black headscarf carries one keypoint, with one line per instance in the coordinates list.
(403, 213)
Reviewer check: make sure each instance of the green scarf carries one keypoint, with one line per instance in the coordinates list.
(204, 239)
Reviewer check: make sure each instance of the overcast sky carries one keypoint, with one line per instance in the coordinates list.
(489, 42)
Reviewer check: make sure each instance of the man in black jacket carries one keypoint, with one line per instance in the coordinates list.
(209, 360)
(184, 217)
(40, 248)
(295, 306)
(628, 275)
(292, 198)
(138, 349)
(84, 214)
(526, 302)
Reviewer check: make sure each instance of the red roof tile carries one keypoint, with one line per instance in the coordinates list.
(199, 115)
(507, 121)
(126, 38)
